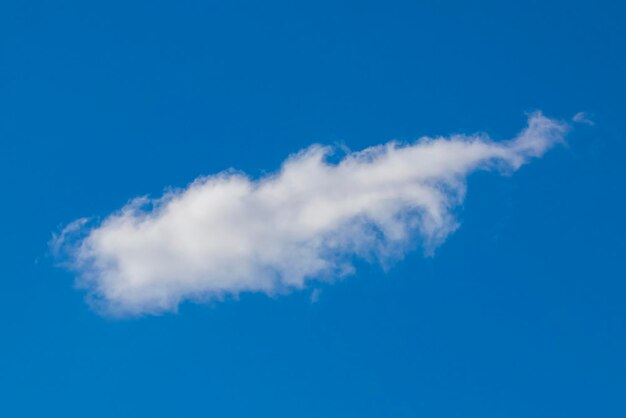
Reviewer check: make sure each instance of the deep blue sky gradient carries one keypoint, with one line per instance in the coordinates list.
(520, 313)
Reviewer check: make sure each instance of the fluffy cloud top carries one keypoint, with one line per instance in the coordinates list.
(227, 233)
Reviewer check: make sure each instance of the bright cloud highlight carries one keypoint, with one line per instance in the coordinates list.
(227, 233)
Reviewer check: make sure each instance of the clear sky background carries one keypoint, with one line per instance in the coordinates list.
(520, 313)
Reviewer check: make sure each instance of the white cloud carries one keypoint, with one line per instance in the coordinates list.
(315, 296)
(583, 117)
(227, 233)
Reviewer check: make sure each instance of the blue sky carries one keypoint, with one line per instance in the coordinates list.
(519, 312)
